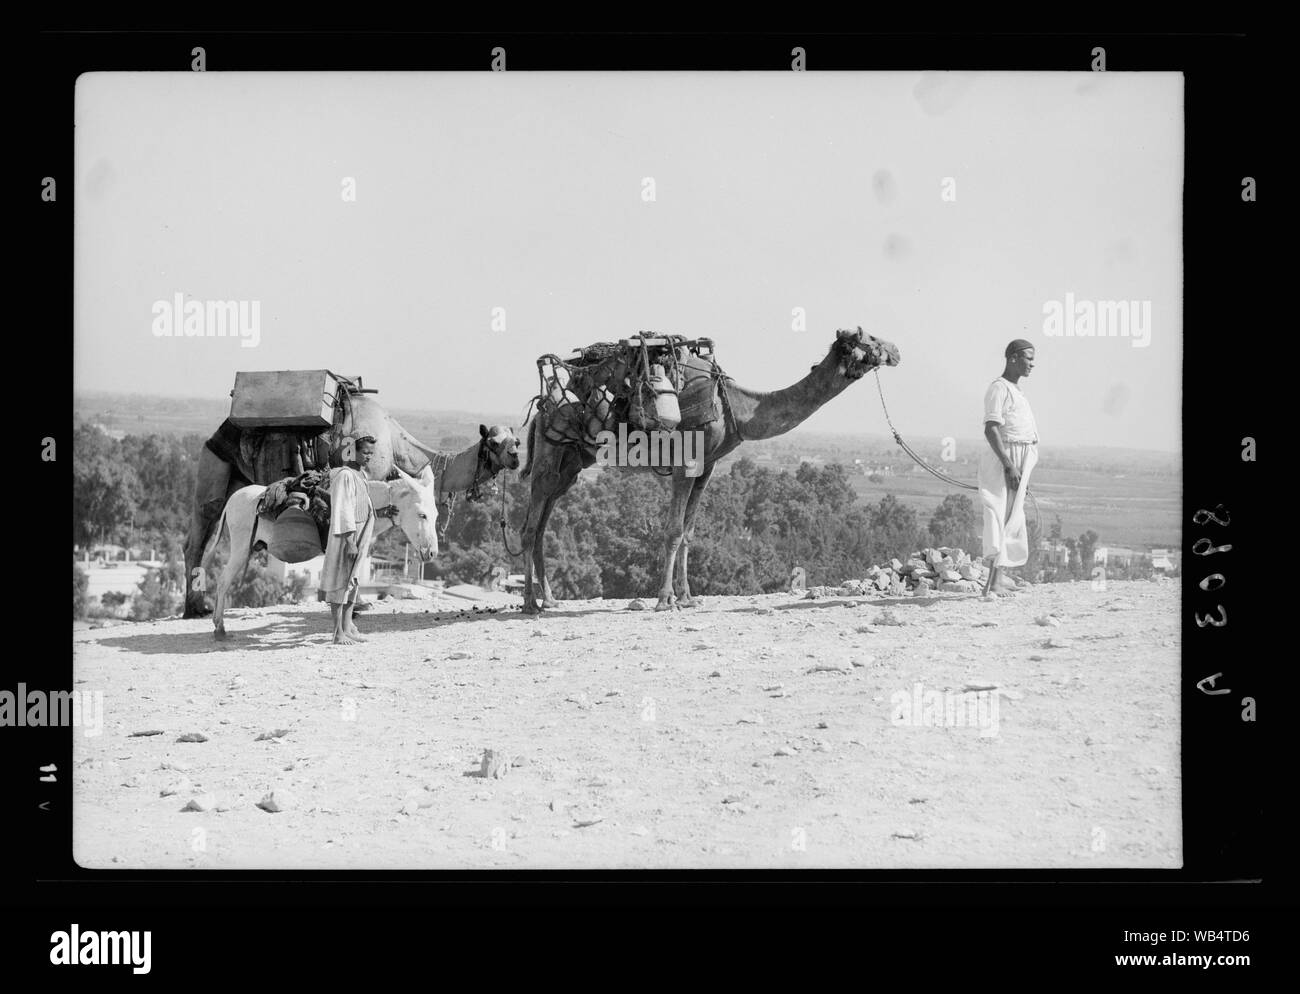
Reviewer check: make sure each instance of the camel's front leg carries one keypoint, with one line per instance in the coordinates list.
(673, 530)
(688, 533)
(532, 534)
(547, 508)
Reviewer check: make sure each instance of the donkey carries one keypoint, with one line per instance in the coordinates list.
(414, 497)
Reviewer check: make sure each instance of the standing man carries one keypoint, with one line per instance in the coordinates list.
(352, 524)
(1005, 467)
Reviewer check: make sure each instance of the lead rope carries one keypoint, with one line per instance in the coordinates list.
(505, 541)
(930, 469)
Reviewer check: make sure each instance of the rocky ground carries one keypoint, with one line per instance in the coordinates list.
(762, 731)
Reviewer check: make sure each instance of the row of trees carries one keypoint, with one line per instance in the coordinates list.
(604, 539)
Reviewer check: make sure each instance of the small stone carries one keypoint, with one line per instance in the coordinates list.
(276, 801)
(277, 733)
(204, 802)
(460, 655)
(986, 624)
(636, 605)
(177, 787)
(193, 737)
(1058, 643)
(1047, 621)
(541, 633)
(238, 682)
(715, 673)
(152, 731)
(494, 765)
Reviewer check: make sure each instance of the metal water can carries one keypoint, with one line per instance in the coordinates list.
(297, 539)
(666, 410)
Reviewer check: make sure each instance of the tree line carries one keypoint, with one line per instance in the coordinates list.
(605, 537)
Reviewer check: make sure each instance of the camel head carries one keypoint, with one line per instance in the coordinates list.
(416, 500)
(859, 353)
(502, 447)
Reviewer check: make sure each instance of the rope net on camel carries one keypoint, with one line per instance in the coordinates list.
(639, 381)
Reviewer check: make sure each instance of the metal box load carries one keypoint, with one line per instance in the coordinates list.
(284, 398)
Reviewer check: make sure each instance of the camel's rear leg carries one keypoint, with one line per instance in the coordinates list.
(674, 529)
(688, 533)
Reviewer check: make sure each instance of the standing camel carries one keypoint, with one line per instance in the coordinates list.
(746, 415)
(219, 476)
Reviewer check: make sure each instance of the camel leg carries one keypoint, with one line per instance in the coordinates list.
(688, 532)
(531, 536)
(211, 490)
(553, 469)
(547, 599)
(674, 529)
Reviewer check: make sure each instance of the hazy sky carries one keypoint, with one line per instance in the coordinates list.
(524, 191)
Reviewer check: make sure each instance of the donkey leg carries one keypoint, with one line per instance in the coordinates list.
(234, 569)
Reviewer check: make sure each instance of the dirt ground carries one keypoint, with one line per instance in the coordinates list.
(748, 732)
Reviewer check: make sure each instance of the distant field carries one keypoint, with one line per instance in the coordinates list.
(1128, 511)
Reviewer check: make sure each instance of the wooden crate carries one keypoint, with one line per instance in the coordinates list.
(284, 398)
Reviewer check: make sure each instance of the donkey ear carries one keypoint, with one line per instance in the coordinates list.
(482, 431)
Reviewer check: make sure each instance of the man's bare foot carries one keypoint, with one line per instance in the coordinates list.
(352, 633)
(342, 638)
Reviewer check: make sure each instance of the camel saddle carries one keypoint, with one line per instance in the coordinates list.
(283, 423)
(611, 382)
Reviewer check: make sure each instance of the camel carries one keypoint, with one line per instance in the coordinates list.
(746, 415)
(218, 477)
(416, 511)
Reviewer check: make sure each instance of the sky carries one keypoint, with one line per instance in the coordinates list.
(496, 217)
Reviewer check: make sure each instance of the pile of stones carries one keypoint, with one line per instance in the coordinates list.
(944, 570)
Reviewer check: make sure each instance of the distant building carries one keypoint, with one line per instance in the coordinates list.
(311, 569)
(1054, 554)
(1165, 560)
(112, 433)
(1113, 556)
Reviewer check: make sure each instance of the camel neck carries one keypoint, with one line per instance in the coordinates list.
(762, 415)
(460, 472)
